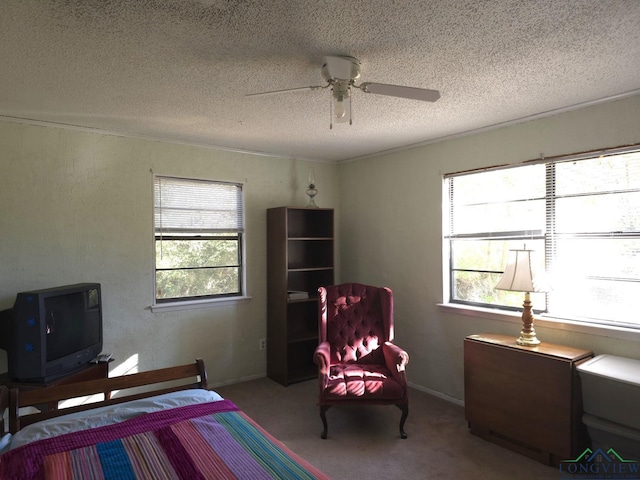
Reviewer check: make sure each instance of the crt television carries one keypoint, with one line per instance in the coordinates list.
(50, 333)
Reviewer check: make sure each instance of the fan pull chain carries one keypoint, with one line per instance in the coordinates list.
(350, 107)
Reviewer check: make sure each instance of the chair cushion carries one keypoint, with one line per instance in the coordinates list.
(357, 380)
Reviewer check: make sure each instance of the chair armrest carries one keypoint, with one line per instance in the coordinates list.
(395, 356)
(321, 358)
(396, 359)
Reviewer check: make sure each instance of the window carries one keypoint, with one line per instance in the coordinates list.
(580, 215)
(199, 230)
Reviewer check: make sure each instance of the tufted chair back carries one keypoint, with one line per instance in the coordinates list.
(357, 320)
(357, 360)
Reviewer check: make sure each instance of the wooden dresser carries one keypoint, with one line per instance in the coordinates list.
(524, 398)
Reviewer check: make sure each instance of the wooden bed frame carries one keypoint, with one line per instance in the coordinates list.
(194, 373)
(188, 441)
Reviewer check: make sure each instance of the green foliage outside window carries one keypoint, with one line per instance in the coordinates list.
(197, 267)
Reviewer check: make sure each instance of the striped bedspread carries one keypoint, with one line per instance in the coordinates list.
(212, 440)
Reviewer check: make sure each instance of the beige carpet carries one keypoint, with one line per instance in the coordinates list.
(365, 443)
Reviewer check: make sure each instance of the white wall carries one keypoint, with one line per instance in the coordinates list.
(391, 231)
(77, 207)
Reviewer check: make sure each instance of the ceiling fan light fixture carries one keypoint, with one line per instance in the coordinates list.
(341, 102)
(339, 108)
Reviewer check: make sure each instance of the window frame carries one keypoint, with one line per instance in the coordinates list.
(198, 234)
(508, 312)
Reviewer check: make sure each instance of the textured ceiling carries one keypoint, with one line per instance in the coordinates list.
(180, 69)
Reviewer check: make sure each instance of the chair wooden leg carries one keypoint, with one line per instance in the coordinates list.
(405, 414)
(323, 410)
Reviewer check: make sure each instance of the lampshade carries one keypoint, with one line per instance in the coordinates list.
(517, 276)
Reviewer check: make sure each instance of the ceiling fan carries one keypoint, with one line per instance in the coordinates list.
(341, 73)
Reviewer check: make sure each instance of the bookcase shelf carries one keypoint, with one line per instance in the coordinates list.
(300, 257)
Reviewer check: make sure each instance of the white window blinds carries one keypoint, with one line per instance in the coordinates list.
(191, 206)
(581, 216)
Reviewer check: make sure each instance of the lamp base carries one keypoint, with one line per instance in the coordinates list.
(528, 333)
(312, 191)
(527, 339)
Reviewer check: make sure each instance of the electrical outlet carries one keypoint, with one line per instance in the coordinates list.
(263, 344)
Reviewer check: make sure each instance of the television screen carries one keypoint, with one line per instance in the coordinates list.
(72, 323)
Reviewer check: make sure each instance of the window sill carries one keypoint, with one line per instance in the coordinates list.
(194, 304)
(546, 322)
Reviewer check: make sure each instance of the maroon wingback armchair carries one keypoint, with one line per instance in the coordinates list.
(358, 363)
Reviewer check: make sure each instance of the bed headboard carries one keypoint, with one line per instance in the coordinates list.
(154, 381)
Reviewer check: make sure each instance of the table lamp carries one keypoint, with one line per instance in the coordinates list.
(517, 277)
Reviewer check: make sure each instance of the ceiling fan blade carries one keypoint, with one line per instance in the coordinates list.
(398, 91)
(286, 90)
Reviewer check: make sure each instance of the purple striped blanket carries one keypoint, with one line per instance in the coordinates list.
(202, 441)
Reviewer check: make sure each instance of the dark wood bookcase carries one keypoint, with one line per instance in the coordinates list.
(300, 257)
